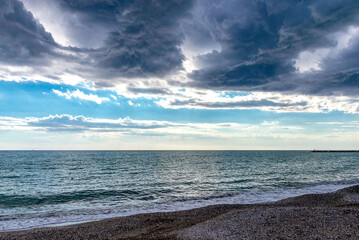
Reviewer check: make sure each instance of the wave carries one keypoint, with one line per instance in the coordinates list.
(12, 201)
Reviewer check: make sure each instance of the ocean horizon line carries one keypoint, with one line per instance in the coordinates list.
(133, 150)
(184, 150)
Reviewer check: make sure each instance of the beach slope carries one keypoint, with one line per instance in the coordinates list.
(314, 216)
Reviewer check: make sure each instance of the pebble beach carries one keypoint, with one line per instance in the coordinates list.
(314, 216)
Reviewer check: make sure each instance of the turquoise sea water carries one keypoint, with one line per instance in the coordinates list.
(39, 188)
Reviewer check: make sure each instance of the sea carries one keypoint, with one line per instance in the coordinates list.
(54, 188)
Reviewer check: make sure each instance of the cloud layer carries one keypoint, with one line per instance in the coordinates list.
(260, 47)
(154, 48)
(127, 126)
(81, 95)
(24, 40)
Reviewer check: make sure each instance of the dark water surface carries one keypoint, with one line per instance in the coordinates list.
(40, 188)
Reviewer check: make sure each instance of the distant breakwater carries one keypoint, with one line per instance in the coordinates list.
(335, 151)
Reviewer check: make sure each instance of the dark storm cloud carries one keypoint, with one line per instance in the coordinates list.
(148, 40)
(158, 91)
(261, 39)
(95, 11)
(245, 75)
(239, 104)
(342, 70)
(23, 40)
(144, 39)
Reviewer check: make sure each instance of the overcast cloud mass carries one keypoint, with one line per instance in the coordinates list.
(162, 57)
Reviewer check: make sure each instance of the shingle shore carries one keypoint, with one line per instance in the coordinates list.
(315, 216)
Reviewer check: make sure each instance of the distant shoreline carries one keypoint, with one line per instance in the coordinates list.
(339, 151)
(312, 216)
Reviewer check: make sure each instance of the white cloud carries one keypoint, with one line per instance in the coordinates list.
(267, 123)
(81, 95)
(310, 60)
(54, 72)
(265, 101)
(128, 126)
(63, 24)
(133, 104)
(349, 124)
(114, 97)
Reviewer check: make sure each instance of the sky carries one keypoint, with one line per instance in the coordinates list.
(179, 74)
